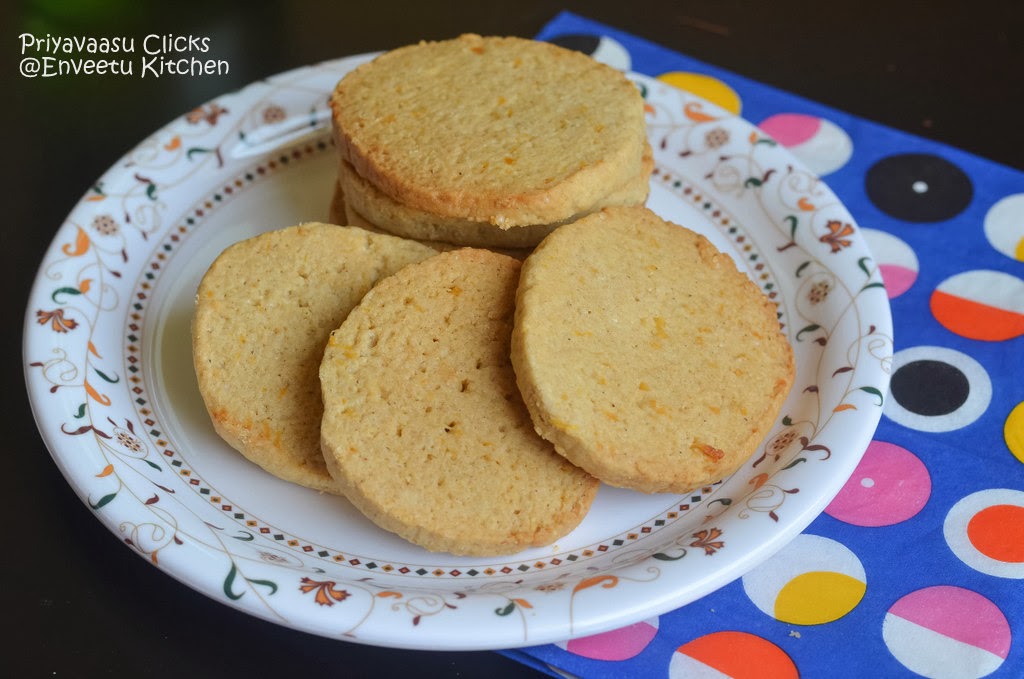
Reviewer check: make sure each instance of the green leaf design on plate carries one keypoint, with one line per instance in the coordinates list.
(103, 501)
(229, 582)
(793, 221)
(265, 583)
(875, 392)
(810, 328)
(66, 291)
(112, 380)
(507, 610)
(196, 150)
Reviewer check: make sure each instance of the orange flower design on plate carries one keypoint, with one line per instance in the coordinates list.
(58, 322)
(327, 592)
(838, 235)
(708, 540)
(210, 113)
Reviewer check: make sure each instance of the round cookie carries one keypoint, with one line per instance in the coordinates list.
(491, 129)
(644, 355)
(342, 213)
(339, 212)
(380, 209)
(376, 207)
(264, 311)
(424, 429)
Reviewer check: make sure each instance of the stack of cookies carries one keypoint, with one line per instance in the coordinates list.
(468, 400)
(487, 142)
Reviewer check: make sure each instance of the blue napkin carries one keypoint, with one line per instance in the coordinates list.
(917, 566)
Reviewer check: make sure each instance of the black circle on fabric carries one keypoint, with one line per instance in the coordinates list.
(918, 187)
(587, 44)
(929, 387)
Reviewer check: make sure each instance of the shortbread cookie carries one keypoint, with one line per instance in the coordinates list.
(491, 129)
(377, 208)
(380, 209)
(342, 213)
(339, 212)
(644, 355)
(424, 429)
(264, 311)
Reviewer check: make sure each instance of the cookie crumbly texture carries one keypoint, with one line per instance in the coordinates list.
(264, 311)
(342, 213)
(491, 129)
(379, 209)
(376, 208)
(644, 355)
(424, 429)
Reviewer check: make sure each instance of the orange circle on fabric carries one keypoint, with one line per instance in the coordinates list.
(976, 321)
(741, 655)
(998, 532)
(983, 304)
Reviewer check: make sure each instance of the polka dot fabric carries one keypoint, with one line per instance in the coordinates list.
(916, 568)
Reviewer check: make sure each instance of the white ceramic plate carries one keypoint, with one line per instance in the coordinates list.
(108, 368)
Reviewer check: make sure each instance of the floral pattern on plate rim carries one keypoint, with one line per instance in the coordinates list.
(92, 403)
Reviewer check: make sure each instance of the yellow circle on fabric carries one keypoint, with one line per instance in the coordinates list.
(818, 597)
(706, 87)
(1013, 431)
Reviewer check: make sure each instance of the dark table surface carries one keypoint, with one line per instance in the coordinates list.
(76, 600)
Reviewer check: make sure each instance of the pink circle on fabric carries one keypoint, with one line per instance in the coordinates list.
(790, 129)
(890, 485)
(897, 279)
(897, 261)
(945, 608)
(617, 644)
